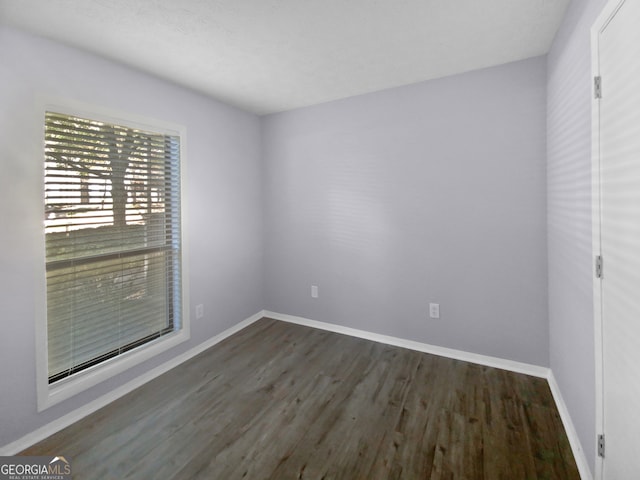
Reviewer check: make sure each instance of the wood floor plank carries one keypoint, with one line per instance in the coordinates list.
(282, 401)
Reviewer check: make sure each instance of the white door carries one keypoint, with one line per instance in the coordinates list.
(618, 56)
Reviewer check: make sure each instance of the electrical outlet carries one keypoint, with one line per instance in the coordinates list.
(199, 311)
(434, 310)
(314, 291)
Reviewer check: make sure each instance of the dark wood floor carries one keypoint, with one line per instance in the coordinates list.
(282, 401)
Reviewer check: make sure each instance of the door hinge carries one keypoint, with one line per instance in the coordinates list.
(601, 446)
(597, 87)
(599, 266)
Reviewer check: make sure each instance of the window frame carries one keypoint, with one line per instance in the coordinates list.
(51, 394)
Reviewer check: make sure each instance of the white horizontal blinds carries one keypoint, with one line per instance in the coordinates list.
(112, 220)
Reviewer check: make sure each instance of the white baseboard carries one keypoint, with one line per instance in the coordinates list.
(518, 367)
(72, 417)
(576, 446)
(495, 362)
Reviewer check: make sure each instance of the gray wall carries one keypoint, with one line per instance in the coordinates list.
(569, 217)
(433, 192)
(224, 224)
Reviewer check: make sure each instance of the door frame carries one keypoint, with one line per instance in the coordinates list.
(607, 14)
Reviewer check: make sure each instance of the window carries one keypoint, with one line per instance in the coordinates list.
(112, 241)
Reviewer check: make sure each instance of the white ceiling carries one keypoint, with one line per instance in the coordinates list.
(273, 55)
